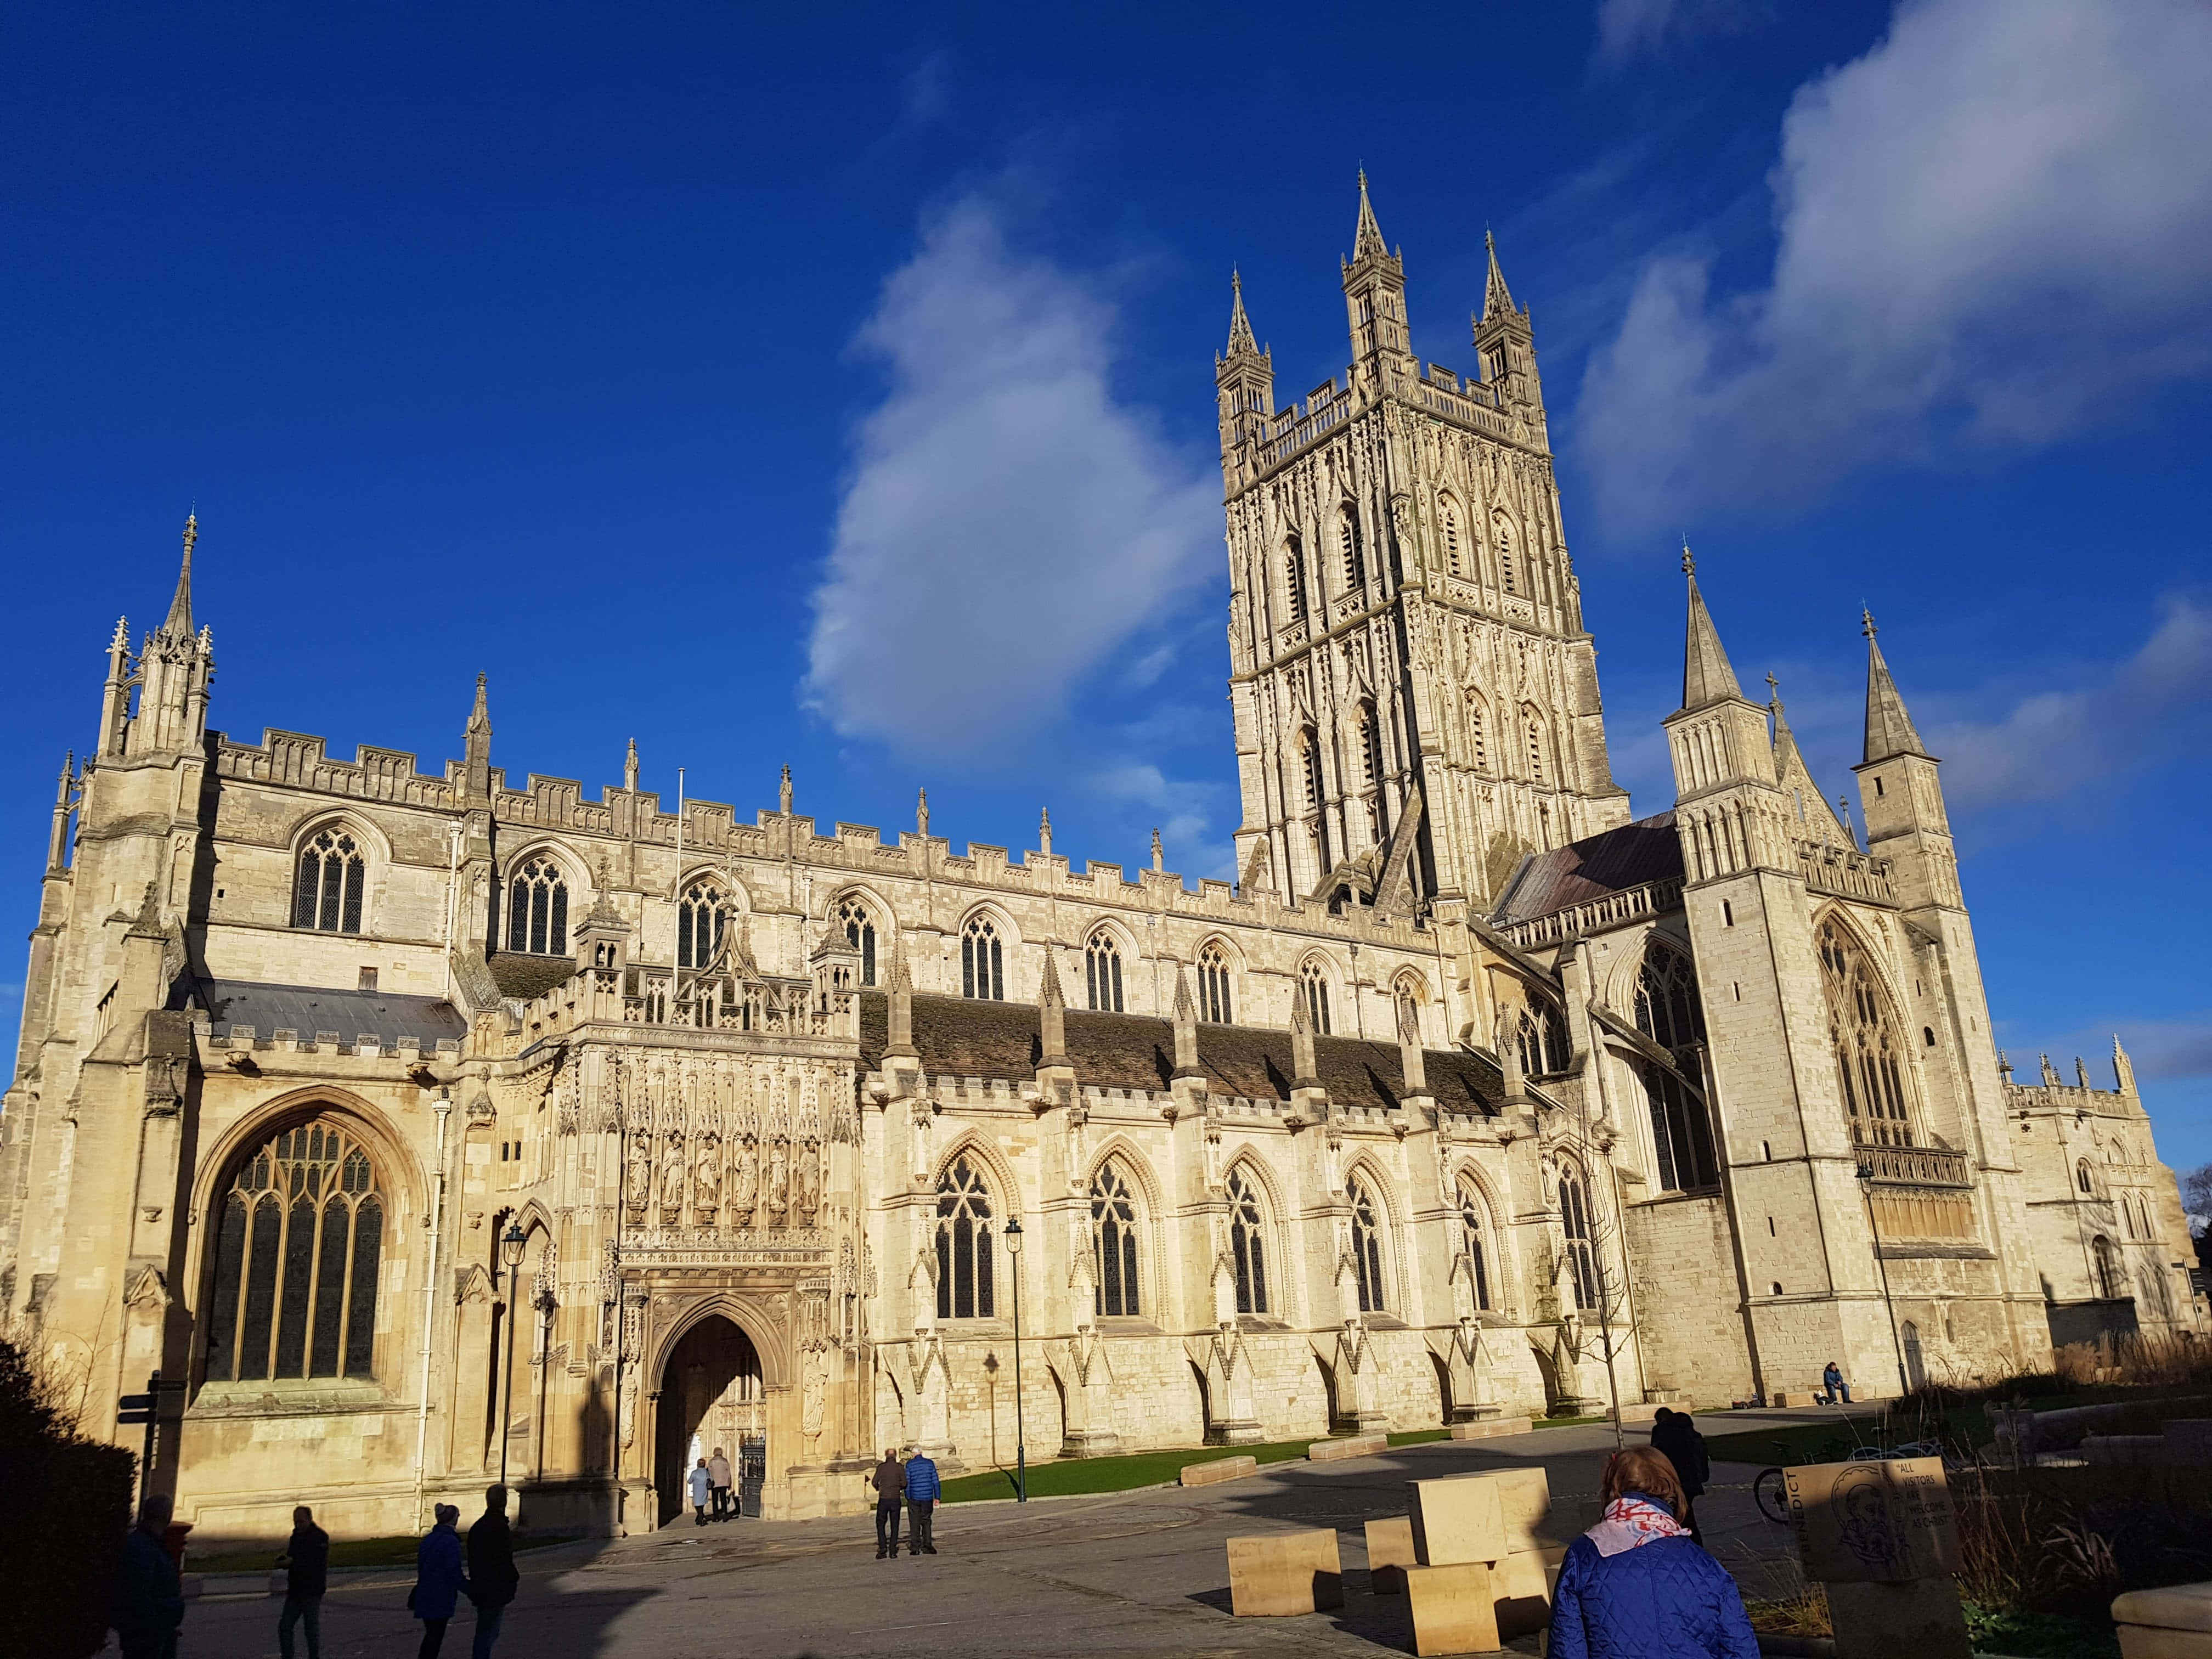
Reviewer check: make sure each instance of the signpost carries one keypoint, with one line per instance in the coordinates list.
(151, 1409)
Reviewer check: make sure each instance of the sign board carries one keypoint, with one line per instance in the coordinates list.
(1873, 1522)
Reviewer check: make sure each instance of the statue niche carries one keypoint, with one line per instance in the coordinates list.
(744, 1181)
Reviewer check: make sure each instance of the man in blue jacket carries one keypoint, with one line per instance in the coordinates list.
(923, 1488)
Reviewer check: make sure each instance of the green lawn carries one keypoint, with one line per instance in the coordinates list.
(1094, 1475)
(350, 1553)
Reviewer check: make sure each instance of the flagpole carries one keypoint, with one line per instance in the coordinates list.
(675, 951)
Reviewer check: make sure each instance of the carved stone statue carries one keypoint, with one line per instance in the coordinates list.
(745, 1182)
(808, 1194)
(706, 1180)
(779, 1183)
(638, 1188)
(672, 1174)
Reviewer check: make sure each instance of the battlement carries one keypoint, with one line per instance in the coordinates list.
(1470, 404)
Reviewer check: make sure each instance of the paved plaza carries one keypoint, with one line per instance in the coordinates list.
(1129, 1573)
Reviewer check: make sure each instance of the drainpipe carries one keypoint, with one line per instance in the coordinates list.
(443, 1107)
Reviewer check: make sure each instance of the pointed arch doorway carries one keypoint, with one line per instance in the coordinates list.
(711, 1395)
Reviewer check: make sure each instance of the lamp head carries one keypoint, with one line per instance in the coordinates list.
(1013, 1237)
(511, 1245)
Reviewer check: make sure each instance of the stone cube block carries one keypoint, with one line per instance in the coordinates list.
(2174, 1623)
(1521, 1587)
(1491, 1427)
(1389, 1552)
(1283, 1573)
(1524, 1497)
(1215, 1470)
(1454, 1609)
(1357, 1445)
(1457, 1521)
(1628, 1413)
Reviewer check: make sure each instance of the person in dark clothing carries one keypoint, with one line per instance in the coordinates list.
(305, 1561)
(492, 1577)
(718, 1471)
(923, 1489)
(150, 1601)
(1636, 1586)
(1676, 1436)
(889, 1482)
(439, 1581)
(1832, 1379)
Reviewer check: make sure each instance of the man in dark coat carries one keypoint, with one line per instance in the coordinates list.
(1674, 1434)
(890, 1481)
(492, 1577)
(306, 1562)
(150, 1601)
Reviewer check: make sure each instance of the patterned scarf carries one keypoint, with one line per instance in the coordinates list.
(1632, 1520)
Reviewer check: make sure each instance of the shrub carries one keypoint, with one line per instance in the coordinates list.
(64, 1508)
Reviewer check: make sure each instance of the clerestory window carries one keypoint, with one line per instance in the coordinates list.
(327, 892)
(538, 910)
(982, 962)
(1213, 985)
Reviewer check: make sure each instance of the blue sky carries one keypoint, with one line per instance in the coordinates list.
(834, 387)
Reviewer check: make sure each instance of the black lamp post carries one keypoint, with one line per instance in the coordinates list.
(512, 1242)
(1866, 1188)
(1013, 1237)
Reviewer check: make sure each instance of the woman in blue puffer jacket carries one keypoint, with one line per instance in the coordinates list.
(1636, 1586)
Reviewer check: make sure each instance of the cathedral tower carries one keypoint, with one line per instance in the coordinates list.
(1416, 701)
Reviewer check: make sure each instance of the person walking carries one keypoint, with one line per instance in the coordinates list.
(1676, 1435)
(922, 1491)
(1833, 1380)
(492, 1577)
(702, 1487)
(1636, 1586)
(718, 1469)
(149, 1599)
(890, 1481)
(439, 1581)
(305, 1561)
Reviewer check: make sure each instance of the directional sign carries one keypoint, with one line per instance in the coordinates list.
(135, 1408)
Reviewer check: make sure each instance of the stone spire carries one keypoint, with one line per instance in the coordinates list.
(1497, 298)
(1044, 831)
(1052, 1013)
(1368, 237)
(179, 623)
(479, 724)
(1186, 1028)
(1240, 341)
(921, 812)
(1706, 675)
(476, 746)
(1888, 727)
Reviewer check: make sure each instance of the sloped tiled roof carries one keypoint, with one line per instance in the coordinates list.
(956, 1036)
(526, 977)
(1609, 862)
(307, 1009)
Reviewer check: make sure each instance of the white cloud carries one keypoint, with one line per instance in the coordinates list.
(2155, 706)
(1990, 225)
(1628, 28)
(1008, 523)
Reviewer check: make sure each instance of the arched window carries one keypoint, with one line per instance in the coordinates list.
(2106, 1262)
(1470, 1222)
(1213, 985)
(1533, 735)
(859, 930)
(1868, 1053)
(299, 1239)
(326, 894)
(1667, 1006)
(1101, 973)
(1575, 1223)
(1313, 978)
(538, 910)
(1505, 574)
(1294, 578)
(2081, 1176)
(1448, 523)
(1681, 1133)
(1348, 548)
(964, 1243)
(702, 917)
(1113, 1237)
(1543, 1036)
(1370, 745)
(1309, 764)
(1247, 1245)
(1478, 740)
(982, 964)
(1366, 1247)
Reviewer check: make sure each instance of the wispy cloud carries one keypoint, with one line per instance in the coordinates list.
(1988, 225)
(1628, 29)
(1009, 523)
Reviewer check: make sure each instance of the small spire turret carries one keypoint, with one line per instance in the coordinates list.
(1889, 728)
(1496, 299)
(1367, 234)
(179, 623)
(1706, 675)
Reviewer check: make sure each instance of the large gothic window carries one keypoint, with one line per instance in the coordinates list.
(538, 910)
(1113, 1237)
(326, 893)
(1366, 1246)
(1478, 740)
(1309, 765)
(1543, 1038)
(1575, 1223)
(982, 962)
(964, 1243)
(1667, 1006)
(1869, 1062)
(1247, 1243)
(1681, 1133)
(702, 918)
(1313, 985)
(1348, 548)
(299, 1239)
(1294, 578)
(851, 918)
(1101, 971)
(1213, 985)
(1471, 1232)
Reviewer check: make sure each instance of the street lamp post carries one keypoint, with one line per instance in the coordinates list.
(1866, 1191)
(511, 1245)
(1013, 1237)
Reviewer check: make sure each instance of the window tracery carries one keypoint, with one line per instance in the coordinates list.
(1471, 1229)
(1294, 577)
(982, 961)
(1313, 978)
(701, 916)
(1667, 1010)
(1366, 1246)
(1102, 972)
(1348, 548)
(1543, 1038)
(1681, 1133)
(858, 924)
(1868, 1061)
(1447, 520)
(1248, 1244)
(538, 910)
(1213, 1005)
(1114, 1239)
(327, 892)
(1575, 1225)
(964, 1279)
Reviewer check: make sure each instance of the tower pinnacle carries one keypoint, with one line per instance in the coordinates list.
(179, 623)
(1888, 727)
(1706, 675)
(1497, 298)
(1368, 237)
(1240, 326)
